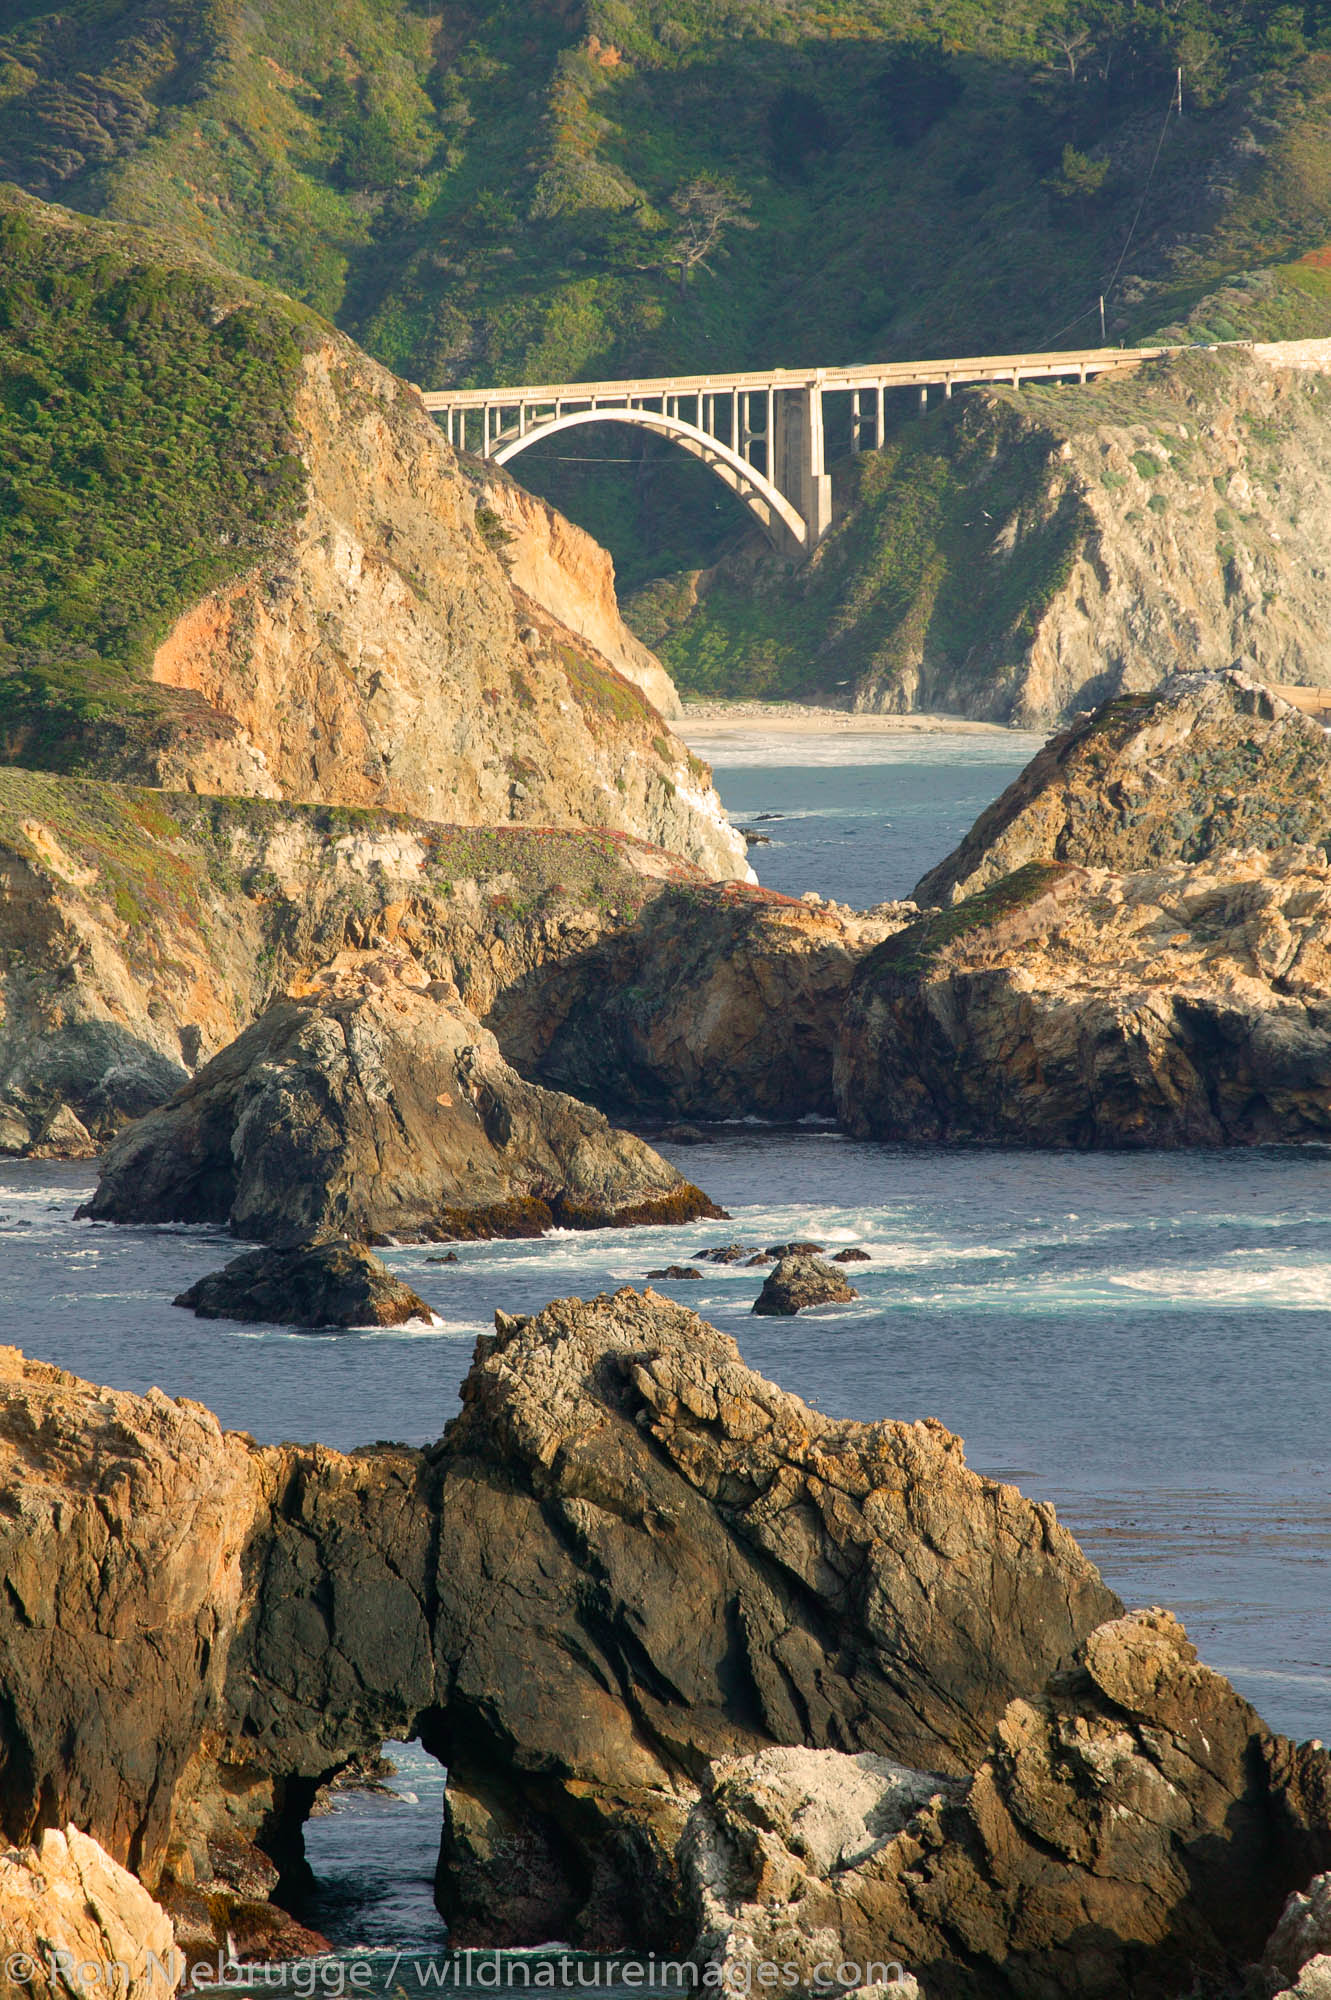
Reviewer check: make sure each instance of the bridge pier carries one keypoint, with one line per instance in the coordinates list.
(799, 459)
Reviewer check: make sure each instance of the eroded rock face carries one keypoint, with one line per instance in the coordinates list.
(1070, 1006)
(718, 1005)
(1126, 1832)
(66, 1904)
(376, 1105)
(384, 655)
(800, 1282)
(141, 932)
(662, 1559)
(561, 568)
(320, 1284)
(1203, 763)
(122, 1524)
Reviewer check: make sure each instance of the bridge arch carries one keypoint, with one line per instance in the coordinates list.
(782, 522)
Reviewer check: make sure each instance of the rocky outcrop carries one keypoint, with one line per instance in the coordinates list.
(1203, 763)
(800, 1282)
(1126, 1832)
(719, 1005)
(383, 656)
(375, 1105)
(141, 931)
(65, 1904)
(1073, 1007)
(687, 1562)
(562, 569)
(1297, 1959)
(628, 1556)
(702, 1663)
(320, 1284)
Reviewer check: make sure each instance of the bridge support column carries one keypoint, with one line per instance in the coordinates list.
(800, 458)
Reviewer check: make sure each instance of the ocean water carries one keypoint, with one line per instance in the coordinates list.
(1142, 1339)
(859, 818)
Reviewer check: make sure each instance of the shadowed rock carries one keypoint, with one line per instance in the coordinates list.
(314, 1284)
(800, 1282)
(1127, 1832)
(375, 1105)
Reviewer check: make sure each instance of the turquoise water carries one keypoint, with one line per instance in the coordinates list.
(1141, 1339)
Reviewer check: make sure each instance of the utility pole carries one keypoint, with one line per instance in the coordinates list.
(1179, 100)
(1103, 340)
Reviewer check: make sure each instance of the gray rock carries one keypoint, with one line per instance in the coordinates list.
(374, 1106)
(315, 1284)
(798, 1283)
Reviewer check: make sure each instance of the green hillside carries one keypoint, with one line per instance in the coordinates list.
(514, 190)
(144, 459)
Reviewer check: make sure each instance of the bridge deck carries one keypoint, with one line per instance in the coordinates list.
(871, 375)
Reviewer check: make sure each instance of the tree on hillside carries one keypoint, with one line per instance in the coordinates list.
(705, 209)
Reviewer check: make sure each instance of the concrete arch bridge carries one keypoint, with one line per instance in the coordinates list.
(765, 433)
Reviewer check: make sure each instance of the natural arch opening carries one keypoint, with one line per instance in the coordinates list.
(372, 1851)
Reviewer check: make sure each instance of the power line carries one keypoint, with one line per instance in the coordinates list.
(1172, 109)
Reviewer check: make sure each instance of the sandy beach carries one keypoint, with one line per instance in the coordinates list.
(713, 719)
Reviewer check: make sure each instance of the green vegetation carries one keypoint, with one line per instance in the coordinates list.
(535, 191)
(517, 192)
(908, 575)
(153, 856)
(911, 954)
(144, 459)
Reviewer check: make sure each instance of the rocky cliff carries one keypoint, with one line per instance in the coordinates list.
(278, 580)
(1019, 555)
(560, 567)
(1078, 1007)
(385, 654)
(1203, 763)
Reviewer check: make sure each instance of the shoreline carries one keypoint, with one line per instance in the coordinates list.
(793, 718)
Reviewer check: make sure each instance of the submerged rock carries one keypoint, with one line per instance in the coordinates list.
(852, 1256)
(675, 1271)
(1204, 762)
(800, 1282)
(313, 1284)
(375, 1105)
(1187, 1006)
